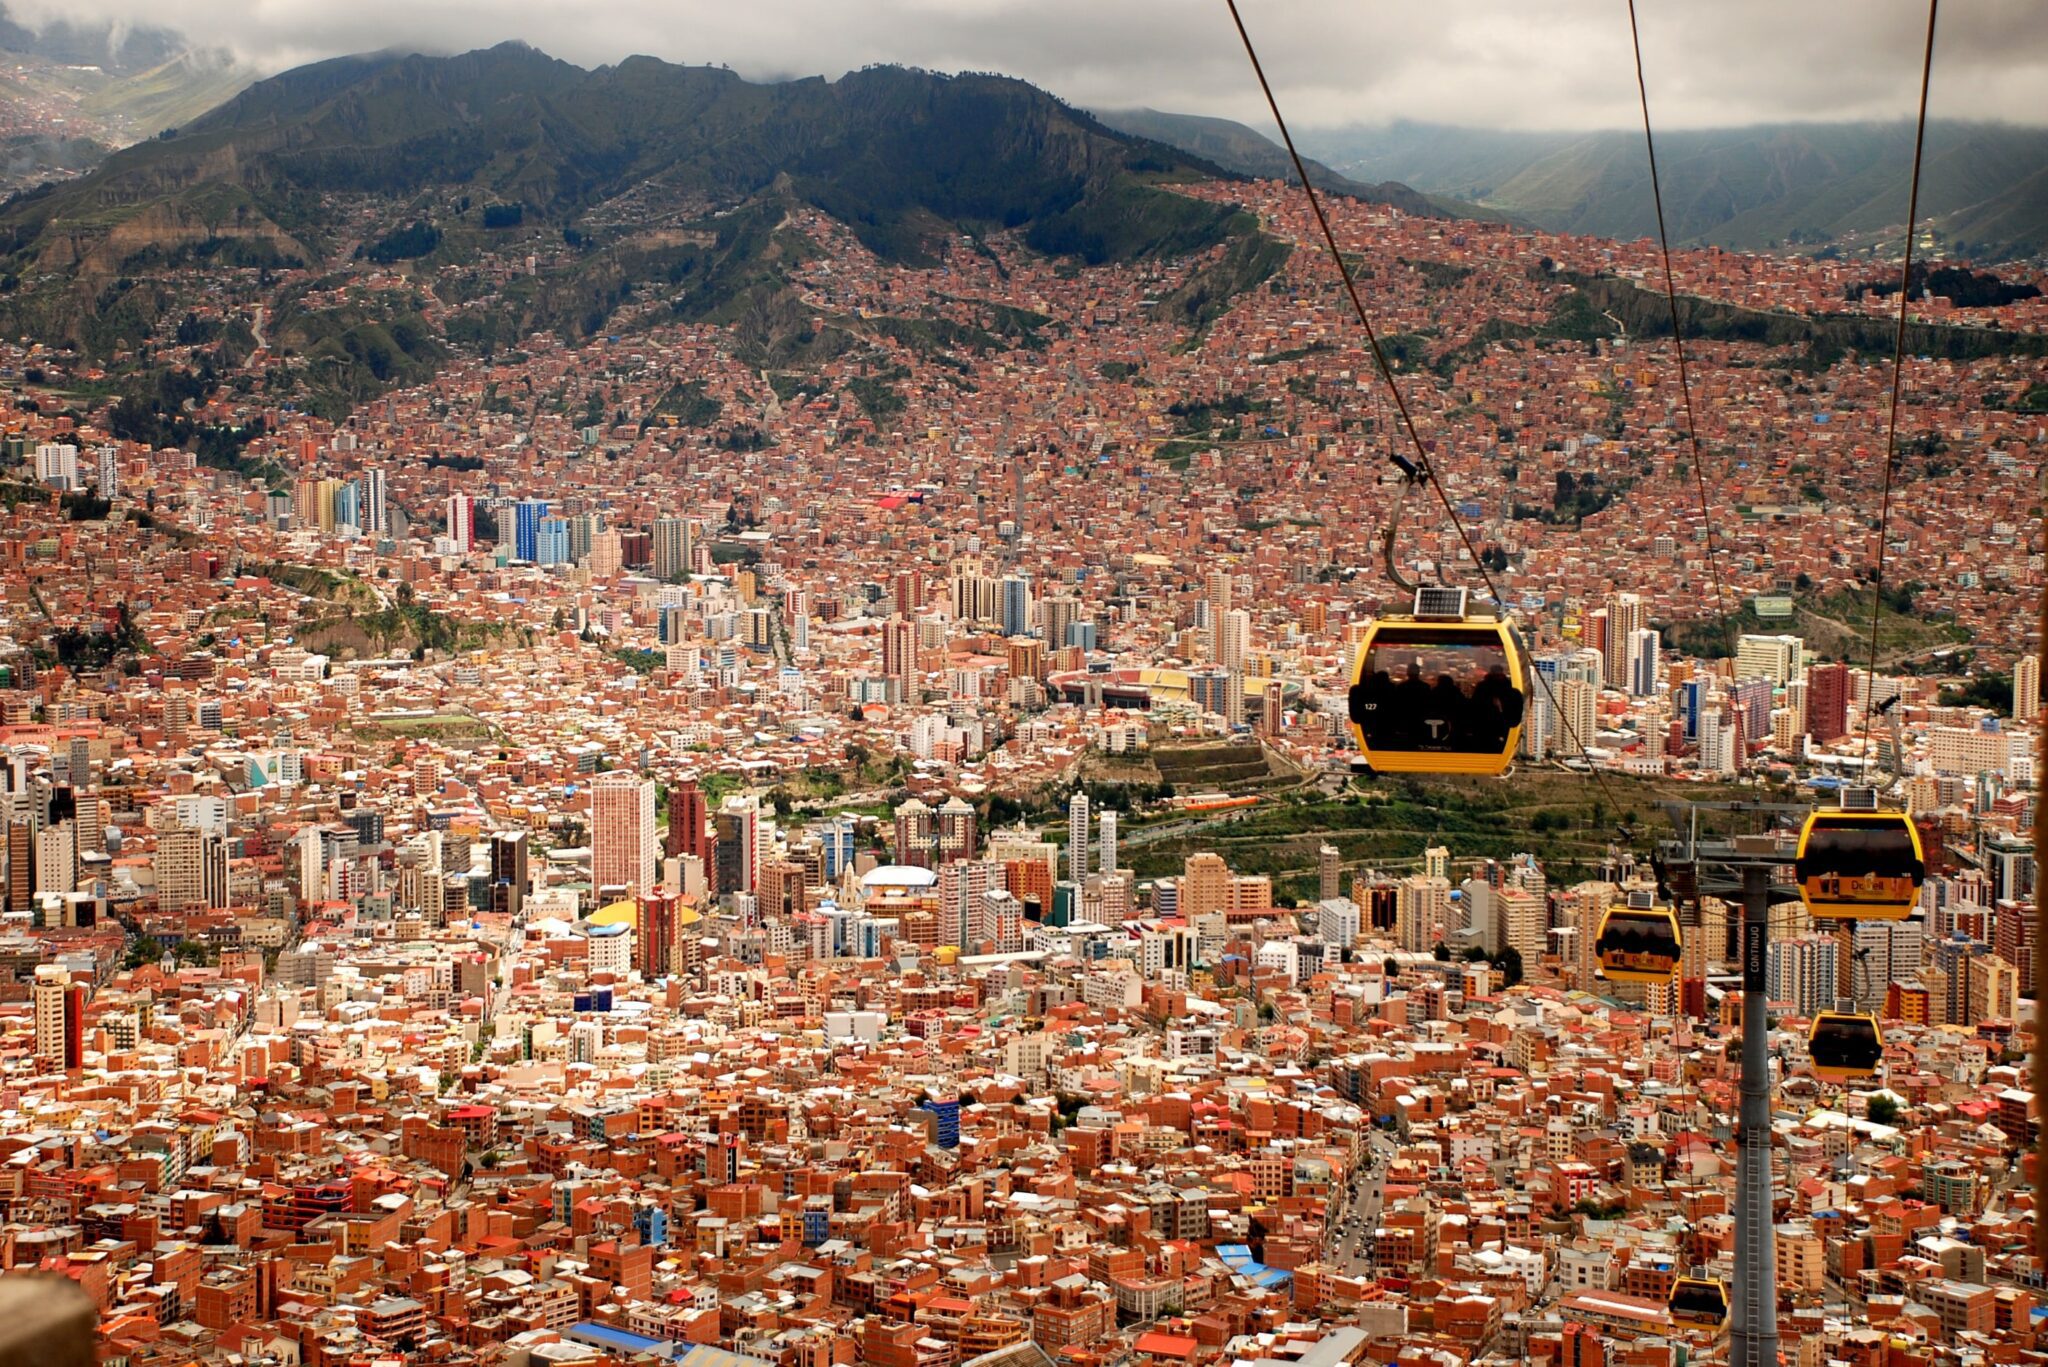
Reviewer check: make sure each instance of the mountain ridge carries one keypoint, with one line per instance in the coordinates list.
(638, 176)
(1246, 151)
(530, 129)
(1812, 186)
(115, 49)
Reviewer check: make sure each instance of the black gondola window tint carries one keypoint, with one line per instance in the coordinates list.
(1860, 851)
(1437, 691)
(1846, 1044)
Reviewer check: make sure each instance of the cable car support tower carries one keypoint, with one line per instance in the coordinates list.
(1746, 869)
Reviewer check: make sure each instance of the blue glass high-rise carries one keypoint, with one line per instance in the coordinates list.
(527, 515)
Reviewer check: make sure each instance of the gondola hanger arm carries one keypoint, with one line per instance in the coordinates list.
(1413, 476)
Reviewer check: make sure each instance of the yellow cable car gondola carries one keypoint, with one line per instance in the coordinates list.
(1441, 691)
(1860, 865)
(1699, 1300)
(1845, 1046)
(1639, 942)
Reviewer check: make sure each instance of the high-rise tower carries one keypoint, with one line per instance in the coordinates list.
(672, 549)
(1077, 837)
(622, 841)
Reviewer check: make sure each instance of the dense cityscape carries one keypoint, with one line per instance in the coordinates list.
(626, 851)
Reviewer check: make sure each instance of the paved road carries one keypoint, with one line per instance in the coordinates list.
(1349, 1229)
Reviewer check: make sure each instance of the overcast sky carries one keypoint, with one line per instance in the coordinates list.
(1485, 63)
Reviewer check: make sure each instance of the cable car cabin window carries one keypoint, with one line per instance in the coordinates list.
(1860, 851)
(1638, 946)
(1697, 1301)
(1845, 1044)
(1848, 863)
(1447, 690)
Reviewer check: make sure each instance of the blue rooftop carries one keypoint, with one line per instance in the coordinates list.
(603, 1334)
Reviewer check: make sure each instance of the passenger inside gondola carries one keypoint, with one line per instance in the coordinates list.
(1443, 722)
(1411, 701)
(1497, 705)
(1846, 1043)
(1638, 944)
(1423, 692)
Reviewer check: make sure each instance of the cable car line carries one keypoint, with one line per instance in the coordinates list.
(1891, 441)
(1692, 427)
(1423, 471)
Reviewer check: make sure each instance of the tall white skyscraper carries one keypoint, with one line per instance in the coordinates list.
(1109, 842)
(1645, 662)
(1539, 720)
(57, 464)
(1016, 605)
(672, 549)
(1803, 971)
(374, 509)
(1337, 921)
(1884, 952)
(1578, 721)
(1719, 743)
(623, 851)
(462, 521)
(1768, 657)
(1077, 837)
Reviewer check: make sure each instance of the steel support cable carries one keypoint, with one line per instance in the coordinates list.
(1379, 356)
(1692, 427)
(1891, 440)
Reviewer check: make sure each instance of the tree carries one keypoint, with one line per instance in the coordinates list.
(85, 506)
(1391, 968)
(1882, 1110)
(1509, 962)
(1992, 691)
(1442, 952)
